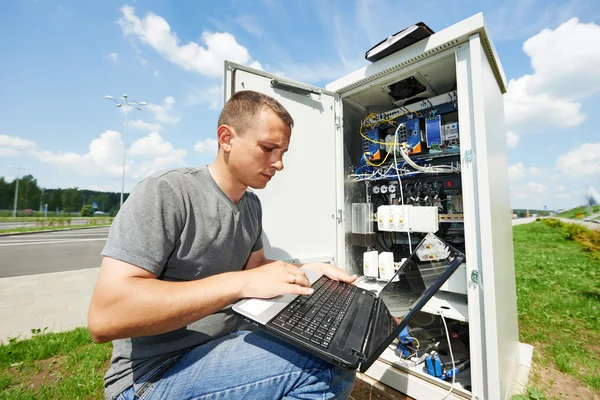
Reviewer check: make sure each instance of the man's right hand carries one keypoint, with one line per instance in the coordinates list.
(274, 279)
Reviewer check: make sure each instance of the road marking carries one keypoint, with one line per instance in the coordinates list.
(25, 237)
(50, 235)
(51, 242)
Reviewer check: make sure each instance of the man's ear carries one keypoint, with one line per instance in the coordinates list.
(225, 135)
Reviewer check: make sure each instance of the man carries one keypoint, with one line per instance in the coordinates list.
(186, 245)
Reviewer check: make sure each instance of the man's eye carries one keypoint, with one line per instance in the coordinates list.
(267, 149)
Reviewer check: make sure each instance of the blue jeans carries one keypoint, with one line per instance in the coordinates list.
(244, 365)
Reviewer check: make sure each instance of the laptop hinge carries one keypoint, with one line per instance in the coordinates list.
(370, 324)
(360, 355)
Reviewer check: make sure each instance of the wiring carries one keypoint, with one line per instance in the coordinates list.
(451, 357)
(416, 353)
(400, 184)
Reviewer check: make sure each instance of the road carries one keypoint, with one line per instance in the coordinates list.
(32, 224)
(51, 251)
(71, 250)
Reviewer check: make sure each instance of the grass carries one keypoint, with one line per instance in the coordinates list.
(34, 218)
(579, 212)
(45, 224)
(49, 228)
(558, 287)
(66, 365)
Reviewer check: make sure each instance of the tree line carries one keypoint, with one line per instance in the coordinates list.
(31, 197)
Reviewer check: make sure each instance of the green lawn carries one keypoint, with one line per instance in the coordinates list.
(558, 287)
(576, 213)
(53, 223)
(67, 365)
(50, 228)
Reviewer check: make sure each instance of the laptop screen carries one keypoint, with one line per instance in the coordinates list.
(419, 272)
(415, 282)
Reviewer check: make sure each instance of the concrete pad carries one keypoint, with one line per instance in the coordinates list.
(58, 300)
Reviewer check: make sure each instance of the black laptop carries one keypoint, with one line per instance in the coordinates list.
(351, 326)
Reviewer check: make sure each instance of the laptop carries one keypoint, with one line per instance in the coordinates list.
(350, 326)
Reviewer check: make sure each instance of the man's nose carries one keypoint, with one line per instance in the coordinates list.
(278, 164)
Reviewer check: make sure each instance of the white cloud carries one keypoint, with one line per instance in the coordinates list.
(533, 192)
(512, 139)
(536, 188)
(207, 146)
(156, 73)
(143, 61)
(581, 162)
(162, 112)
(9, 152)
(154, 145)
(16, 142)
(13, 146)
(564, 61)
(519, 171)
(528, 112)
(565, 72)
(560, 188)
(534, 171)
(516, 172)
(114, 57)
(206, 59)
(105, 157)
(256, 65)
(145, 126)
(211, 96)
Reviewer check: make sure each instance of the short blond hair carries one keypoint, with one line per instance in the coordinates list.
(243, 108)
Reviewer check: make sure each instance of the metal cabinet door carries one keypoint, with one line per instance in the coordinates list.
(299, 204)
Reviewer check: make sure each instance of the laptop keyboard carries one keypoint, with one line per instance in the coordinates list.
(317, 317)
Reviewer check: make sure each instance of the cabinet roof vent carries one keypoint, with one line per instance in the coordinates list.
(401, 65)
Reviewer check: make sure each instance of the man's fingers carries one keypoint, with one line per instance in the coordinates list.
(339, 275)
(301, 290)
(298, 277)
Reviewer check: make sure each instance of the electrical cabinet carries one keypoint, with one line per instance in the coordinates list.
(455, 137)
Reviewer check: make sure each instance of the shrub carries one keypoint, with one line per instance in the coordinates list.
(87, 211)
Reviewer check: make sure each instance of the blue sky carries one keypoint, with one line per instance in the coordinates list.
(60, 58)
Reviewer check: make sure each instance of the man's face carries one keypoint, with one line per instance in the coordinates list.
(257, 154)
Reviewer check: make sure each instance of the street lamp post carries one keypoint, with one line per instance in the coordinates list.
(126, 102)
(17, 191)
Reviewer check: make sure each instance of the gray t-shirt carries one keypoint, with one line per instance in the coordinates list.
(179, 225)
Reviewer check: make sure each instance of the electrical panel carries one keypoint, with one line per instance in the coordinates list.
(410, 173)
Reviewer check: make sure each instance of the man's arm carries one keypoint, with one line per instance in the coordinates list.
(129, 301)
(257, 259)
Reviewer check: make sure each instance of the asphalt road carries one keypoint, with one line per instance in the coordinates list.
(71, 250)
(51, 251)
(27, 224)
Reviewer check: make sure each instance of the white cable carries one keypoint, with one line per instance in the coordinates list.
(400, 183)
(451, 356)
